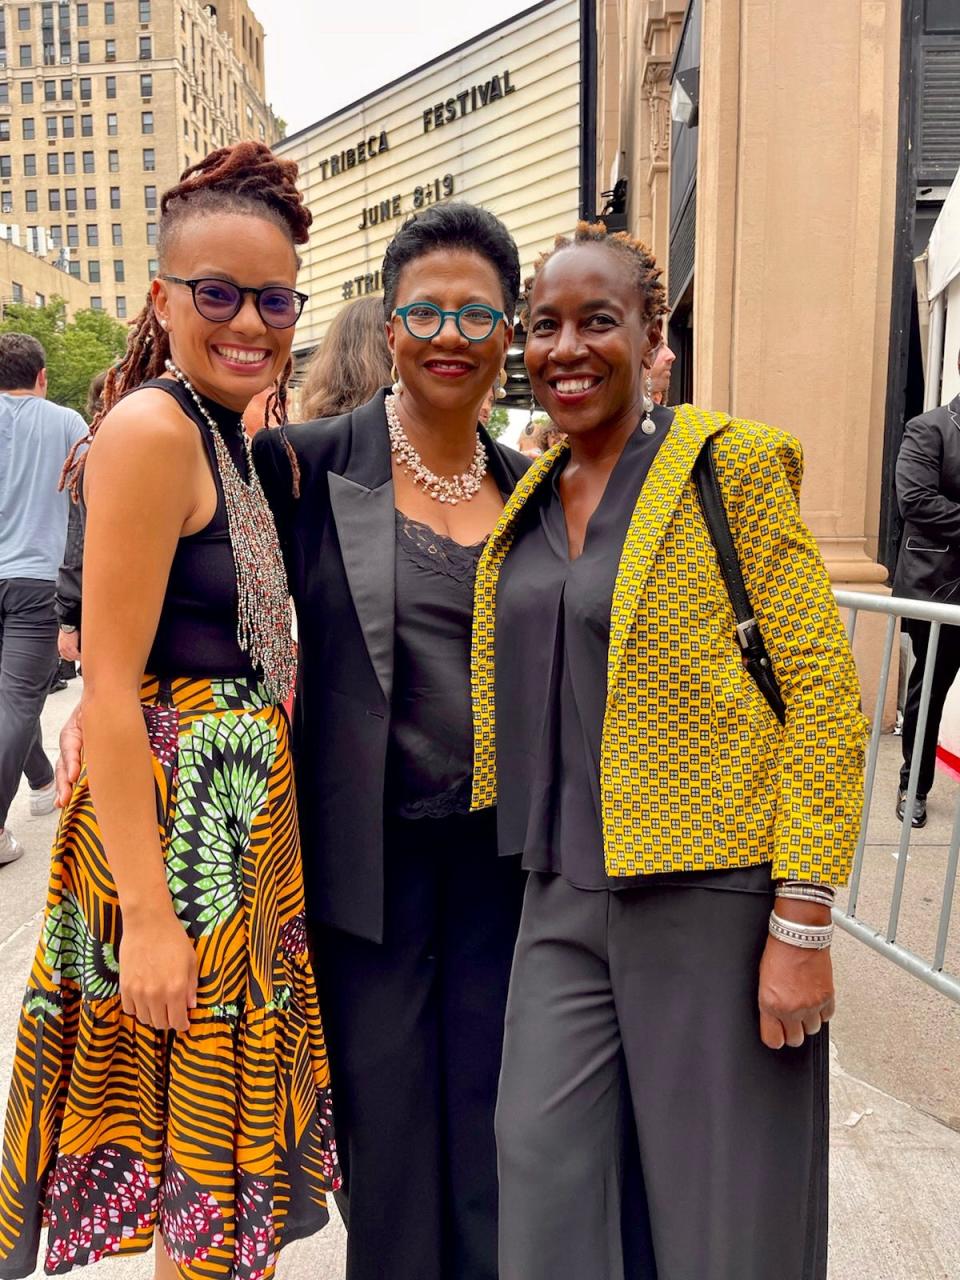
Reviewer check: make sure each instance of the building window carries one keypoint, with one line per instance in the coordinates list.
(146, 86)
(53, 164)
(111, 86)
(153, 266)
(30, 165)
(29, 129)
(93, 271)
(56, 236)
(83, 15)
(73, 232)
(6, 167)
(114, 197)
(49, 90)
(90, 197)
(118, 274)
(121, 308)
(4, 93)
(53, 200)
(146, 122)
(86, 126)
(26, 55)
(30, 201)
(110, 51)
(93, 235)
(17, 291)
(146, 48)
(109, 13)
(113, 161)
(74, 268)
(144, 10)
(39, 300)
(183, 92)
(113, 127)
(116, 234)
(86, 87)
(70, 199)
(150, 197)
(89, 162)
(83, 50)
(151, 233)
(5, 130)
(96, 302)
(149, 159)
(23, 18)
(69, 128)
(6, 202)
(26, 92)
(51, 126)
(66, 90)
(69, 162)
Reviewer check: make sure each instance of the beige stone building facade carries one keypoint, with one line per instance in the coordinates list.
(102, 105)
(785, 194)
(25, 277)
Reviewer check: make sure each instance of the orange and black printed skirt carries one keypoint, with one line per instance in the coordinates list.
(221, 1139)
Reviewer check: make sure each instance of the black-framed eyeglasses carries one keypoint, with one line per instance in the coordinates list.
(220, 300)
(476, 321)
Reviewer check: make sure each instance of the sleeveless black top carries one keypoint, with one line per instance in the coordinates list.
(197, 632)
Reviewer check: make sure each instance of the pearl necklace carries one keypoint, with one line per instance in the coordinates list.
(451, 489)
(263, 615)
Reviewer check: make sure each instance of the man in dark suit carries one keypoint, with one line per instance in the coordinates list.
(928, 493)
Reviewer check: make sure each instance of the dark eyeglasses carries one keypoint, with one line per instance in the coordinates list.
(221, 300)
(476, 321)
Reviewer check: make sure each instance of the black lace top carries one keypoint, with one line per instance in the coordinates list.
(430, 761)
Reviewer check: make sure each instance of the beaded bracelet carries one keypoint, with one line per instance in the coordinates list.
(811, 937)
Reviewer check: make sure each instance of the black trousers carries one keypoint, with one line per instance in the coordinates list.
(945, 670)
(415, 1029)
(28, 659)
(633, 1035)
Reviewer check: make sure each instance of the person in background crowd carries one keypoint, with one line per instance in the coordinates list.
(70, 574)
(351, 363)
(928, 568)
(662, 810)
(658, 379)
(184, 1099)
(35, 439)
(489, 400)
(414, 915)
(528, 443)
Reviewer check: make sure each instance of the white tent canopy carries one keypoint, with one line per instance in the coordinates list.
(943, 251)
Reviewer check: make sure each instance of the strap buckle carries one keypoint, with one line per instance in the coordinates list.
(747, 633)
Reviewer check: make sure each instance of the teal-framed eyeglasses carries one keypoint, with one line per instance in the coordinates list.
(475, 322)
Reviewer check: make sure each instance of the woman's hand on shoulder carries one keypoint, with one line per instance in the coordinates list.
(796, 995)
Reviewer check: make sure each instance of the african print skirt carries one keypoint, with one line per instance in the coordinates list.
(220, 1138)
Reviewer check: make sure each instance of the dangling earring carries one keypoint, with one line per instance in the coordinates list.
(648, 426)
(502, 384)
(395, 375)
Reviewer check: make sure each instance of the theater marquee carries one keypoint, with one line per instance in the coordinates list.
(499, 121)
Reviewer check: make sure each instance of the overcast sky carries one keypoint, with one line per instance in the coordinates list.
(324, 54)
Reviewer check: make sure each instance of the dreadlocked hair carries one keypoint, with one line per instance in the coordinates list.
(637, 258)
(244, 178)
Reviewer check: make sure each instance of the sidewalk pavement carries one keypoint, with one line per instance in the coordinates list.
(895, 1166)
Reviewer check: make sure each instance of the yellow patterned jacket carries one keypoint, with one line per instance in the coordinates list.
(696, 771)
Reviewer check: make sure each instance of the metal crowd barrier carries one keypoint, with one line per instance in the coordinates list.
(885, 940)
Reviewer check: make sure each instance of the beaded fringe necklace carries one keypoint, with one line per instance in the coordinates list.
(263, 622)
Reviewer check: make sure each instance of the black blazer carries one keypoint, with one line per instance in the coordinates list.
(928, 493)
(339, 540)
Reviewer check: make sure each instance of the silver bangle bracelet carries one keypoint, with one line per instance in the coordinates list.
(811, 937)
(806, 893)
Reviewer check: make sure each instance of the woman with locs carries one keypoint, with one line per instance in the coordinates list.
(171, 1083)
(672, 980)
(383, 516)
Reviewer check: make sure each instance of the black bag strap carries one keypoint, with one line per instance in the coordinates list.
(755, 656)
